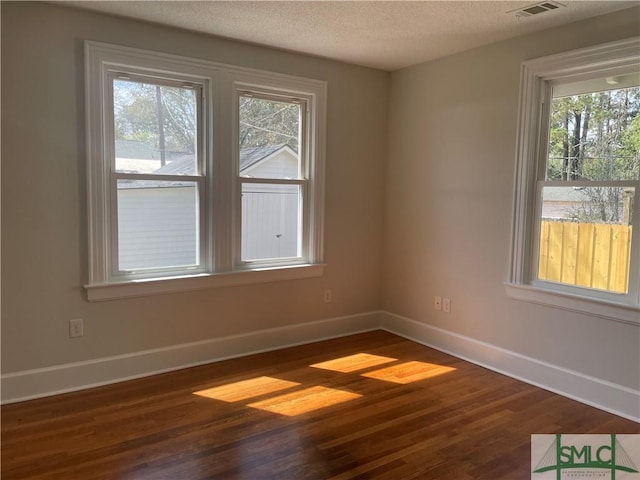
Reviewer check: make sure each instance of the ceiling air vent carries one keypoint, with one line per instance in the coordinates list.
(536, 8)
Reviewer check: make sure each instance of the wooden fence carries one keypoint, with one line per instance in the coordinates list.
(586, 254)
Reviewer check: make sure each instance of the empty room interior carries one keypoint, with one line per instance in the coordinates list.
(314, 240)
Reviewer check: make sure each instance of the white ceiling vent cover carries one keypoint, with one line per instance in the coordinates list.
(537, 8)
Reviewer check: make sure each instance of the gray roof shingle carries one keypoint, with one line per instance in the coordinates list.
(185, 165)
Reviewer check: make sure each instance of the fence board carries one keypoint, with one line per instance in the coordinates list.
(601, 259)
(585, 254)
(619, 259)
(543, 261)
(554, 263)
(569, 253)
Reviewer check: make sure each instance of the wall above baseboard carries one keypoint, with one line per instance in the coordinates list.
(57, 379)
(607, 396)
(598, 393)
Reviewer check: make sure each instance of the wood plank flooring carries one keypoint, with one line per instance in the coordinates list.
(368, 406)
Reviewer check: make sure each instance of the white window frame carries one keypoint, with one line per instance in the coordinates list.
(537, 78)
(242, 88)
(219, 197)
(201, 87)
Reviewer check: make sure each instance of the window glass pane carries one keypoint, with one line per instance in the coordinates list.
(585, 236)
(155, 128)
(157, 224)
(596, 135)
(270, 221)
(269, 138)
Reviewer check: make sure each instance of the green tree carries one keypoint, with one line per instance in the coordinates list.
(267, 122)
(165, 118)
(630, 148)
(596, 136)
(161, 116)
(587, 135)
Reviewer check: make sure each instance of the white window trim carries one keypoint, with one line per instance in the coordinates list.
(309, 246)
(218, 84)
(536, 76)
(200, 179)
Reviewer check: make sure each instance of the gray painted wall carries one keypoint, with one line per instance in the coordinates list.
(420, 167)
(450, 188)
(44, 209)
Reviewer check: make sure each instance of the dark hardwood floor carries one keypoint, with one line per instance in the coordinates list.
(372, 405)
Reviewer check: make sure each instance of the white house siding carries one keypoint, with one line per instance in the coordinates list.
(270, 213)
(270, 221)
(282, 164)
(157, 227)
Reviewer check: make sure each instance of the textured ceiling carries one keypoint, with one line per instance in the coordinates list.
(386, 35)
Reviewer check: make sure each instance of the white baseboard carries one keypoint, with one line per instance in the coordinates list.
(607, 396)
(43, 382)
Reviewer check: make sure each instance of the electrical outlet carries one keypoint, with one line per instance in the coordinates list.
(327, 296)
(446, 305)
(76, 328)
(437, 303)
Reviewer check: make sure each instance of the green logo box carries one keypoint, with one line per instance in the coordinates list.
(585, 457)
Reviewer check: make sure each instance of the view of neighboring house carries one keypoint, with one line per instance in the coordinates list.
(270, 212)
(136, 156)
(559, 202)
(566, 203)
(158, 219)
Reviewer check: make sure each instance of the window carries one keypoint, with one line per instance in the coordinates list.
(578, 177)
(158, 177)
(199, 174)
(272, 175)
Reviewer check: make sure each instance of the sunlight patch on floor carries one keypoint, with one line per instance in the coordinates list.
(303, 401)
(352, 363)
(254, 387)
(408, 372)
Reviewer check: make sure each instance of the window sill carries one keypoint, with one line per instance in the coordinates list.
(598, 308)
(158, 286)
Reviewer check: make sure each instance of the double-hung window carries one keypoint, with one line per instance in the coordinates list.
(578, 180)
(157, 176)
(199, 174)
(272, 171)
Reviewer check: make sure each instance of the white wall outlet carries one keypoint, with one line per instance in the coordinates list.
(76, 328)
(327, 296)
(437, 303)
(446, 305)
